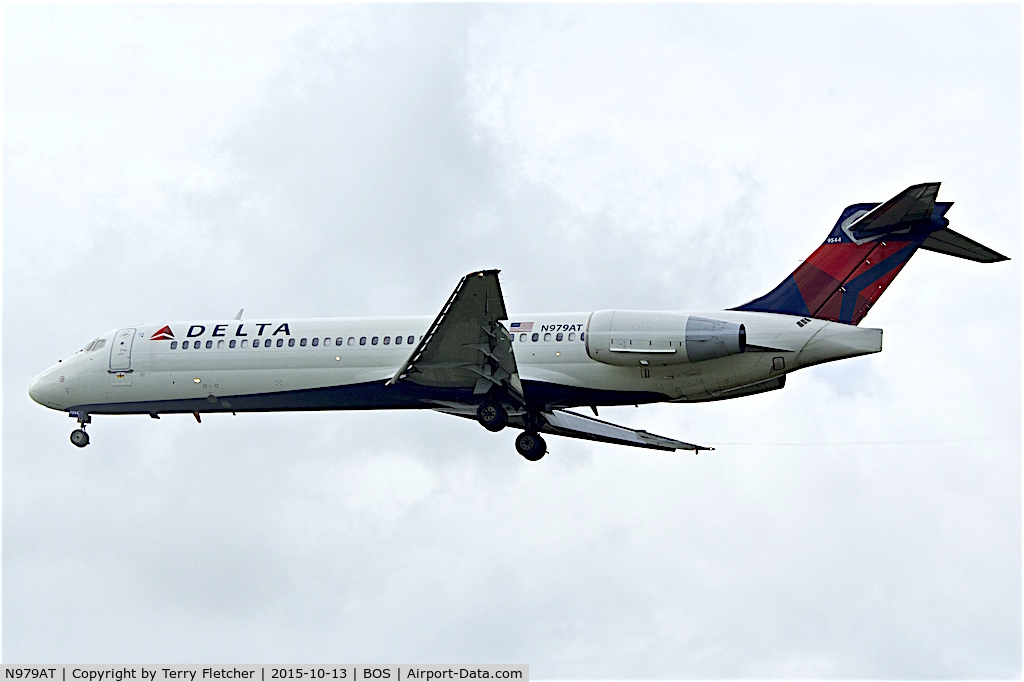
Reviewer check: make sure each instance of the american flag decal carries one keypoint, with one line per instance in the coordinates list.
(521, 326)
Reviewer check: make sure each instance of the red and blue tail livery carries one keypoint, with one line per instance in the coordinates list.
(475, 360)
(864, 252)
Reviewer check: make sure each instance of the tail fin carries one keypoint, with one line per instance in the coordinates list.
(864, 252)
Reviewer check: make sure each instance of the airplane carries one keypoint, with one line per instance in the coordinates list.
(527, 371)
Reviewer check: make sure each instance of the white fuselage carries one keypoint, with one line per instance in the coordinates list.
(129, 371)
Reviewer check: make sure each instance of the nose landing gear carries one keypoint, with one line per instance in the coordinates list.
(79, 438)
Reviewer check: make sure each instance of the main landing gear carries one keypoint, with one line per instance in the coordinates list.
(79, 438)
(492, 416)
(531, 446)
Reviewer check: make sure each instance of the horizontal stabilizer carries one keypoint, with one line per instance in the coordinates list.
(909, 206)
(572, 425)
(955, 244)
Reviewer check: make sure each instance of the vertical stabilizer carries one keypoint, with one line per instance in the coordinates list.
(864, 252)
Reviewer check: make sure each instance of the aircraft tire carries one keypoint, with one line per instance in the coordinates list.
(492, 416)
(531, 446)
(79, 438)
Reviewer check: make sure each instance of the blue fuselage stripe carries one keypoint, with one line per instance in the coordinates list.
(372, 395)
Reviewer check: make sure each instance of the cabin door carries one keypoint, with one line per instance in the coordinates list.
(121, 351)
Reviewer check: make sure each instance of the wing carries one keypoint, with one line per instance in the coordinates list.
(467, 346)
(573, 425)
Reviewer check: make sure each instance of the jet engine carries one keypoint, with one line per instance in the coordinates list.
(631, 338)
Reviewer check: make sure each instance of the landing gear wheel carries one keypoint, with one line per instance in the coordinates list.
(492, 416)
(80, 438)
(531, 446)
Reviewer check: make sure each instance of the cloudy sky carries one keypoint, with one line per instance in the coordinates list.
(182, 162)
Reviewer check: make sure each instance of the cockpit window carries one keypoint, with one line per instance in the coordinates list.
(95, 344)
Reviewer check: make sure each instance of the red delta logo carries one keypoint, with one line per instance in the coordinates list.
(162, 334)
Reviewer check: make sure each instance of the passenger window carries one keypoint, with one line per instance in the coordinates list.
(231, 343)
(558, 336)
(535, 337)
(387, 340)
(255, 343)
(581, 335)
(220, 344)
(302, 341)
(522, 337)
(374, 340)
(316, 342)
(280, 342)
(209, 344)
(327, 341)
(362, 340)
(410, 340)
(245, 343)
(340, 341)
(572, 336)
(174, 344)
(351, 340)
(547, 336)
(398, 340)
(291, 342)
(196, 345)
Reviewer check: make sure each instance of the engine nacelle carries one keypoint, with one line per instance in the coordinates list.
(630, 338)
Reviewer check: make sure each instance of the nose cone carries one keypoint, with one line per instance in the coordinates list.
(47, 389)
